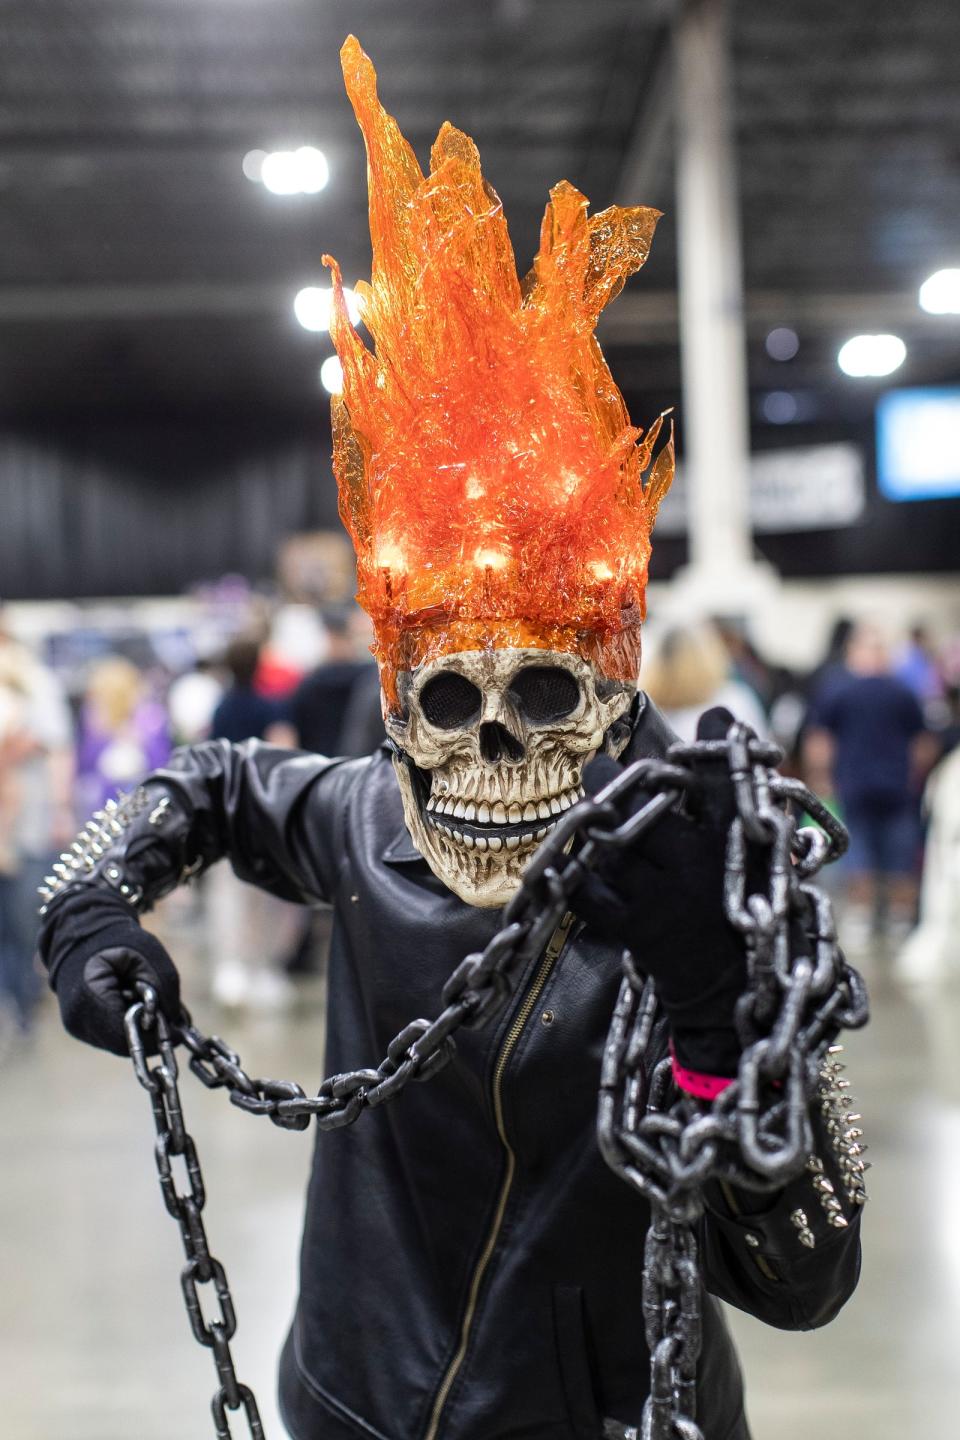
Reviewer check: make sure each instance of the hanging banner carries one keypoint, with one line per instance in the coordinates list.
(812, 487)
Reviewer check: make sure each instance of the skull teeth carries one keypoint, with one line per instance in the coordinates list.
(497, 813)
(472, 840)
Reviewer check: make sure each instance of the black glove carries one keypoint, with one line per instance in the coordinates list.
(663, 900)
(95, 978)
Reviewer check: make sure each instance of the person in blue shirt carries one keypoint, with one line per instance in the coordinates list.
(867, 745)
(243, 713)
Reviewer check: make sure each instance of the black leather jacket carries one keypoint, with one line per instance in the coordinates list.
(470, 1267)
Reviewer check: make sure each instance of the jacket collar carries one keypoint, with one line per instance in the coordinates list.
(400, 850)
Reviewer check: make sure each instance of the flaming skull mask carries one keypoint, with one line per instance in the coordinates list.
(495, 492)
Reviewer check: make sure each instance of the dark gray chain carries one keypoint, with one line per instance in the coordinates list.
(174, 1142)
(755, 1133)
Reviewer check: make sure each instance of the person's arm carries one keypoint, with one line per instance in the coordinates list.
(791, 1258)
(819, 750)
(274, 813)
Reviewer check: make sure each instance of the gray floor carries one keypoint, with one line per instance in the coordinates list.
(94, 1340)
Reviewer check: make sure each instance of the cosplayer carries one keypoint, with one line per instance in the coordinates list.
(470, 1265)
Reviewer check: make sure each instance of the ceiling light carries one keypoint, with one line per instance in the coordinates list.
(331, 375)
(289, 172)
(253, 165)
(940, 294)
(313, 306)
(782, 343)
(780, 407)
(871, 355)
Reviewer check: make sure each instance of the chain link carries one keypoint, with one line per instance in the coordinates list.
(144, 1021)
(799, 994)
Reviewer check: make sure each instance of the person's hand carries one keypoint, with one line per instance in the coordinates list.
(96, 986)
(663, 900)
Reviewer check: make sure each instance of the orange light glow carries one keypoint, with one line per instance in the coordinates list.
(485, 436)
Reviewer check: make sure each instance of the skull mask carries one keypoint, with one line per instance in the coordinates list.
(492, 746)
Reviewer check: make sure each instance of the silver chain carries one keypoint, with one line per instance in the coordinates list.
(757, 1133)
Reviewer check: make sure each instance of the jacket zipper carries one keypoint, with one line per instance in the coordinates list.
(550, 955)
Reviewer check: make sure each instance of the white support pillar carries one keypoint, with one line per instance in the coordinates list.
(715, 396)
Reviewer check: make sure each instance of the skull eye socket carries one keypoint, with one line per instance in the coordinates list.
(545, 693)
(450, 700)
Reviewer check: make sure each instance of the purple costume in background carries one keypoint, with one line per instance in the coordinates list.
(108, 762)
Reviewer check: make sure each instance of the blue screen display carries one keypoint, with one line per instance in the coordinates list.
(918, 444)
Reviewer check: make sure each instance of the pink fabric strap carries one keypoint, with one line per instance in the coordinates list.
(704, 1087)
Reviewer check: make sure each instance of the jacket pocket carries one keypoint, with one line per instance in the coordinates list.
(573, 1359)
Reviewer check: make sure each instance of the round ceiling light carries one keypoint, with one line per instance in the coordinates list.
(313, 306)
(779, 407)
(331, 375)
(782, 343)
(303, 171)
(940, 294)
(871, 355)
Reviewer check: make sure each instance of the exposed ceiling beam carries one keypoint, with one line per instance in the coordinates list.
(638, 317)
(651, 317)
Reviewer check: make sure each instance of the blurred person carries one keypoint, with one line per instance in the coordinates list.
(249, 932)
(932, 951)
(363, 728)
(948, 734)
(833, 667)
(331, 714)
(691, 672)
(243, 711)
(36, 814)
(292, 645)
(918, 666)
(868, 745)
(747, 665)
(191, 700)
(321, 701)
(123, 732)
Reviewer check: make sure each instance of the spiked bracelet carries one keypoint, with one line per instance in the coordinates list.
(845, 1140)
(104, 852)
(837, 1172)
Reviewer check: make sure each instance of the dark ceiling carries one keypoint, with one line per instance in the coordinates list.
(141, 272)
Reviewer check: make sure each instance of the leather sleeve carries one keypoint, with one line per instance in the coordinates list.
(793, 1260)
(276, 814)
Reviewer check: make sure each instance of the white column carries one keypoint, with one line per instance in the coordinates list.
(715, 396)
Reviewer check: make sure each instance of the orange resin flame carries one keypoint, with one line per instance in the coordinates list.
(489, 476)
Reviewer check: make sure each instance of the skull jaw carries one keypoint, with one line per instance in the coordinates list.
(487, 881)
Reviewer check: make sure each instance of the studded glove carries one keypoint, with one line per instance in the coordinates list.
(664, 901)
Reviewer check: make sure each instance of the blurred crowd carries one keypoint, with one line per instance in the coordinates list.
(874, 728)
(69, 741)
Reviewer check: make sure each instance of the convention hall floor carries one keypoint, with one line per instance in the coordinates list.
(94, 1339)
